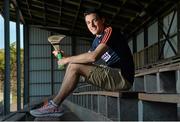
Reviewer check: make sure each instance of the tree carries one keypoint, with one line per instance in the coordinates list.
(1, 68)
(13, 67)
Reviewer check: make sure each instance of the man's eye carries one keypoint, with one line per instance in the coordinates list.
(95, 20)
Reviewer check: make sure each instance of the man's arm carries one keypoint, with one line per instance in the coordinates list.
(88, 57)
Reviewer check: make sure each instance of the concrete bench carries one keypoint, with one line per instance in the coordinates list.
(104, 105)
(16, 116)
(164, 79)
(125, 106)
(158, 107)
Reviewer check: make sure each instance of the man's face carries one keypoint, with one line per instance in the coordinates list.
(94, 23)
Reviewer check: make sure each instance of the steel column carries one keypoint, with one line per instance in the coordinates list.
(73, 40)
(18, 57)
(52, 71)
(178, 26)
(26, 66)
(145, 45)
(134, 44)
(7, 59)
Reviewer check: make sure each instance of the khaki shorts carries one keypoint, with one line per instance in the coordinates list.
(108, 78)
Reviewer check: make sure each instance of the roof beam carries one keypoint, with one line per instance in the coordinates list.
(28, 7)
(118, 11)
(143, 7)
(100, 4)
(60, 11)
(45, 11)
(152, 15)
(73, 2)
(76, 17)
(15, 3)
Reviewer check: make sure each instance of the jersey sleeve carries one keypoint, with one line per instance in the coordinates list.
(106, 37)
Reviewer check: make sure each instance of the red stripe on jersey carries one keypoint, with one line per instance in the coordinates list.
(107, 34)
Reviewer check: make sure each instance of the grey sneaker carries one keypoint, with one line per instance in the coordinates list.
(49, 109)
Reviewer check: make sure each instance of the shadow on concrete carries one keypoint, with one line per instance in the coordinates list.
(68, 116)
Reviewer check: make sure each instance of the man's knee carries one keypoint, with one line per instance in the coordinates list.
(73, 66)
(81, 69)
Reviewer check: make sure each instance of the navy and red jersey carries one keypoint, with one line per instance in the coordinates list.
(118, 54)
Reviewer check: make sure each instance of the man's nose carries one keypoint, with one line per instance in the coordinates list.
(92, 24)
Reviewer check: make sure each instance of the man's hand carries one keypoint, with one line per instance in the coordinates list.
(55, 52)
(63, 61)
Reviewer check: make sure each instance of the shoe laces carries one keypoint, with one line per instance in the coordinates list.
(49, 106)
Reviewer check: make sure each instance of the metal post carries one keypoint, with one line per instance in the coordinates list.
(18, 57)
(134, 44)
(135, 50)
(52, 71)
(26, 78)
(178, 27)
(73, 40)
(7, 59)
(146, 45)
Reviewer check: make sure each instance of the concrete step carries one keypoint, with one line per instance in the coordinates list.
(104, 105)
(68, 116)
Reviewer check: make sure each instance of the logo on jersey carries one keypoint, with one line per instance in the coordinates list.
(106, 56)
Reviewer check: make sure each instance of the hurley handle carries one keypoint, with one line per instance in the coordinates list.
(59, 56)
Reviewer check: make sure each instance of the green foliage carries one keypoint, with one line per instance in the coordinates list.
(13, 68)
(1, 62)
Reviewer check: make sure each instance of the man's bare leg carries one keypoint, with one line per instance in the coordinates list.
(71, 79)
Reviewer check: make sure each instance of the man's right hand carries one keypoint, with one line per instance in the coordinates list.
(55, 52)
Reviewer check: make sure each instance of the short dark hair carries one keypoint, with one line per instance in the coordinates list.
(93, 10)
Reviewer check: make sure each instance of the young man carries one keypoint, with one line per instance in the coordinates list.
(108, 45)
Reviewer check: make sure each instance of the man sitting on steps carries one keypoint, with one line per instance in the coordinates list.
(109, 45)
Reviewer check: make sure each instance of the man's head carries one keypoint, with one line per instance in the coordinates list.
(94, 21)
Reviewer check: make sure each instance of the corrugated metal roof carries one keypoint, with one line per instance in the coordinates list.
(66, 16)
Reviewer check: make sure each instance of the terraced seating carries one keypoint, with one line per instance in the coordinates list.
(159, 107)
(104, 105)
(156, 94)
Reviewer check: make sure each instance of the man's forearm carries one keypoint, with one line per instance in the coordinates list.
(82, 58)
(89, 57)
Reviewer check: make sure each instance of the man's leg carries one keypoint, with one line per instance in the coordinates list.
(71, 79)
